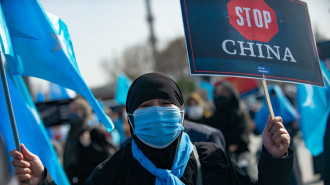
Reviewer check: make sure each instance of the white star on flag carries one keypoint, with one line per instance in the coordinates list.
(60, 45)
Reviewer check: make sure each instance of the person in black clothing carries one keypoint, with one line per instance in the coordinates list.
(231, 120)
(85, 146)
(161, 153)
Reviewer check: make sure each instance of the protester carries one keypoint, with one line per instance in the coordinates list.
(161, 153)
(196, 110)
(118, 133)
(85, 146)
(230, 119)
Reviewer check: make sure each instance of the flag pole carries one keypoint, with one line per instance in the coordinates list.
(269, 103)
(8, 102)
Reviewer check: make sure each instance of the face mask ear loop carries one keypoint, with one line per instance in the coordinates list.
(129, 120)
(182, 115)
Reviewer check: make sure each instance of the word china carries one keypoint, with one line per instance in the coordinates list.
(257, 50)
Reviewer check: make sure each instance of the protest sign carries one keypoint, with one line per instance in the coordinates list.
(55, 112)
(251, 38)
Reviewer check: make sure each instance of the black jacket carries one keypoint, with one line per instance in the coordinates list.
(203, 133)
(217, 168)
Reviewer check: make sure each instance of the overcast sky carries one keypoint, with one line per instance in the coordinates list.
(103, 28)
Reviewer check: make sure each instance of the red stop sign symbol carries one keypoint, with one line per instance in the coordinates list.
(254, 19)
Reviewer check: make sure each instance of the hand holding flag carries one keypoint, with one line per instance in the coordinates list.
(27, 166)
(29, 124)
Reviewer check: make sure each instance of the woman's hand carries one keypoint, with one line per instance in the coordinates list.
(276, 138)
(28, 168)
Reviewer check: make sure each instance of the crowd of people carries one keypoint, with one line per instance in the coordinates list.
(159, 139)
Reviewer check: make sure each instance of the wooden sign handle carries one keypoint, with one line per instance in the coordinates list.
(269, 103)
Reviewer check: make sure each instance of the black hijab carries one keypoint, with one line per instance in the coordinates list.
(230, 119)
(154, 86)
(233, 96)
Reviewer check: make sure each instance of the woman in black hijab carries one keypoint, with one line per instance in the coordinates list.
(162, 160)
(229, 118)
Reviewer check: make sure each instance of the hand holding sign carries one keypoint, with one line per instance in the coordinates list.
(274, 135)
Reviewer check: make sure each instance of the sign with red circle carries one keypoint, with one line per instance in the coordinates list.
(269, 39)
(254, 19)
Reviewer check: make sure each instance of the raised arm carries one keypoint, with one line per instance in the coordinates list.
(275, 137)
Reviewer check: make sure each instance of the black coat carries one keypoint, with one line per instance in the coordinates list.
(233, 126)
(203, 133)
(80, 160)
(326, 172)
(217, 168)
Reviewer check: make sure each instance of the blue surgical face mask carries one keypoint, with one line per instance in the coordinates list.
(157, 126)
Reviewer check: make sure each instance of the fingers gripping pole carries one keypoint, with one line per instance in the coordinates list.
(269, 103)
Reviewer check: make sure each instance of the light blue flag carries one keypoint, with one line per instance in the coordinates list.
(25, 113)
(314, 107)
(40, 97)
(57, 92)
(123, 84)
(281, 107)
(30, 128)
(43, 43)
(208, 87)
(6, 46)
